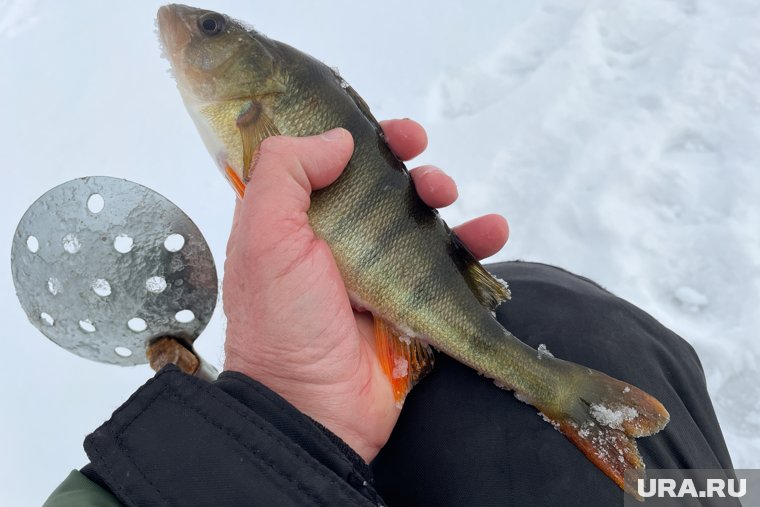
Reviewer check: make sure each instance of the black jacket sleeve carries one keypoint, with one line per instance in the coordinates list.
(183, 441)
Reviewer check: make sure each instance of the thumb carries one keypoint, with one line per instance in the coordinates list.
(288, 169)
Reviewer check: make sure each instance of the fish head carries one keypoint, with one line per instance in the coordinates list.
(215, 57)
(227, 73)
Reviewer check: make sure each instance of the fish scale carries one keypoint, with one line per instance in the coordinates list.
(397, 257)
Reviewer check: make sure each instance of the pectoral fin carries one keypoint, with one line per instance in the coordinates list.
(404, 360)
(254, 125)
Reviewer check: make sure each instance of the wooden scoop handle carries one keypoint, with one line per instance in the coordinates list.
(169, 350)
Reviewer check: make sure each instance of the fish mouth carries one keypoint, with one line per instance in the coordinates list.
(174, 32)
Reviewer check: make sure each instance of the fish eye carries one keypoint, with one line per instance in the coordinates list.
(211, 23)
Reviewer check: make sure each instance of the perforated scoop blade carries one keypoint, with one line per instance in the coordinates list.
(102, 266)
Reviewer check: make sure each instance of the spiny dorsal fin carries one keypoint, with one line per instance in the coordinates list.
(255, 126)
(489, 290)
(404, 360)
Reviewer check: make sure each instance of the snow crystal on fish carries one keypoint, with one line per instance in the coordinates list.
(612, 418)
(342, 82)
(585, 430)
(505, 285)
(550, 421)
(544, 352)
(400, 367)
(522, 398)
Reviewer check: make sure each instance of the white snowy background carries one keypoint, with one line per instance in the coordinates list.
(621, 140)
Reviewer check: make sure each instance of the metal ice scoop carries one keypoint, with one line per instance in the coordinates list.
(115, 272)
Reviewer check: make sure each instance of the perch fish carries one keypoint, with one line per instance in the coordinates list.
(397, 257)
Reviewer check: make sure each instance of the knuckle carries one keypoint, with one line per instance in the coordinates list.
(275, 146)
(277, 152)
(269, 145)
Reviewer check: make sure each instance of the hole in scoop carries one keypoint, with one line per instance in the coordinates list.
(184, 316)
(101, 287)
(137, 324)
(122, 351)
(87, 326)
(123, 243)
(32, 244)
(174, 242)
(155, 284)
(47, 318)
(95, 203)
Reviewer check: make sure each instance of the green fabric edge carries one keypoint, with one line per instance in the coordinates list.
(78, 490)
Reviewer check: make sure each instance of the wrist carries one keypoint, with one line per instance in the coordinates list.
(353, 409)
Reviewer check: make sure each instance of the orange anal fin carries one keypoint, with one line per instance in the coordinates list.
(235, 181)
(404, 360)
(611, 450)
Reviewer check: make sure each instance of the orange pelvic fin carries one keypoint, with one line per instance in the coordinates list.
(404, 360)
(235, 181)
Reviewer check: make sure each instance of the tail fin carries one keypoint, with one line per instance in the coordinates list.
(603, 421)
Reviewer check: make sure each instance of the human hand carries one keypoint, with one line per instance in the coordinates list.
(290, 324)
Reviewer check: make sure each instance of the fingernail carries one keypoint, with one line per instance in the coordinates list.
(334, 134)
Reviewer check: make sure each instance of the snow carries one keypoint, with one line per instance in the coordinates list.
(71, 243)
(614, 418)
(155, 284)
(549, 420)
(54, 285)
(543, 351)
(504, 284)
(400, 367)
(407, 340)
(620, 139)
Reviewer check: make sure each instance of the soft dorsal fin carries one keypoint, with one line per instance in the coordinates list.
(254, 125)
(489, 290)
